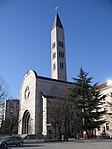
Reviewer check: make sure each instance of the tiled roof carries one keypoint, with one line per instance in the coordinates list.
(102, 85)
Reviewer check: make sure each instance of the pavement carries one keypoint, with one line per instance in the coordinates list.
(72, 144)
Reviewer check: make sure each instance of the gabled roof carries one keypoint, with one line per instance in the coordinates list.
(57, 21)
(107, 84)
(102, 85)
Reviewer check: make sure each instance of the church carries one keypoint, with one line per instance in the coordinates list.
(36, 90)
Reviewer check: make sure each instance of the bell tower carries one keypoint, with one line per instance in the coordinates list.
(58, 54)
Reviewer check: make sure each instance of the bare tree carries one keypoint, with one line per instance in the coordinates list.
(61, 115)
(55, 115)
(9, 125)
(3, 89)
(3, 95)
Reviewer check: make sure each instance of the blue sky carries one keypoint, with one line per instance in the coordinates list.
(25, 28)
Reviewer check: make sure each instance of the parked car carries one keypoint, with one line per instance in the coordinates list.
(13, 140)
(104, 136)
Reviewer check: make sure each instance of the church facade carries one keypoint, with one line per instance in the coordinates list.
(36, 90)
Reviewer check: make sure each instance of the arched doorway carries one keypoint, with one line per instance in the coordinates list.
(26, 123)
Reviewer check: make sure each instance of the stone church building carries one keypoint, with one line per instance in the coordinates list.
(36, 90)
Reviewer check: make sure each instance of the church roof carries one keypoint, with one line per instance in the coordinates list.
(55, 80)
(50, 79)
(57, 21)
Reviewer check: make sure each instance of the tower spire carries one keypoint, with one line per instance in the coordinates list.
(57, 21)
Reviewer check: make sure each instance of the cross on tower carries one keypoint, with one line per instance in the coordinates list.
(56, 8)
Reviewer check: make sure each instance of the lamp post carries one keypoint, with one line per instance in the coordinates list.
(49, 125)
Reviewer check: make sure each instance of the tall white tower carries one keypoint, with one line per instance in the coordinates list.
(58, 55)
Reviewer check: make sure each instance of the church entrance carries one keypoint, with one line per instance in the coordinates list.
(26, 123)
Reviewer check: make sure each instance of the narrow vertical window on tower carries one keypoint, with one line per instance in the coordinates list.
(54, 66)
(61, 54)
(60, 44)
(61, 65)
(54, 55)
(53, 45)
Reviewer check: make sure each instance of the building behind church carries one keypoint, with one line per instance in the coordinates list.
(9, 110)
(106, 89)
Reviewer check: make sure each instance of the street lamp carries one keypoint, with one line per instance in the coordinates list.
(49, 125)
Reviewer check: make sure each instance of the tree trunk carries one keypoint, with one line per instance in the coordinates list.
(59, 131)
(87, 134)
(54, 131)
